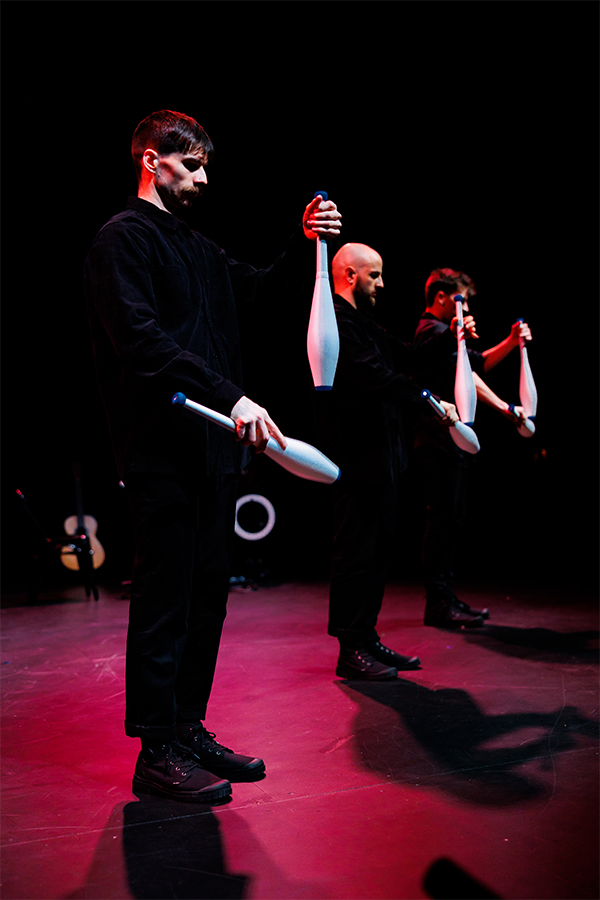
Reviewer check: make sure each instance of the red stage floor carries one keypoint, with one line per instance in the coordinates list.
(475, 777)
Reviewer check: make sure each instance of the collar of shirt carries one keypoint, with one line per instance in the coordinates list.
(160, 216)
(367, 315)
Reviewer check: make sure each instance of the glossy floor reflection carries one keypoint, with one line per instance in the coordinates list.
(473, 777)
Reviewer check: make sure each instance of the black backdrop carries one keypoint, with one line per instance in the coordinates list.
(449, 134)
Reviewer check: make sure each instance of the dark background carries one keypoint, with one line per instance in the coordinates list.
(449, 134)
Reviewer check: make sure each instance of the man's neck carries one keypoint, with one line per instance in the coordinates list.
(149, 193)
(436, 313)
(348, 295)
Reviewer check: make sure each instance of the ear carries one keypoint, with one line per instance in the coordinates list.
(350, 274)
(150, 160)
(440, 298)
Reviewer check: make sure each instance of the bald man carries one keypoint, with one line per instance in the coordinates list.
(372, 384)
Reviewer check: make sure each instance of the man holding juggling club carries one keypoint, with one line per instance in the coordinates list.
(373, 382)
(162, 302)
(444, 466)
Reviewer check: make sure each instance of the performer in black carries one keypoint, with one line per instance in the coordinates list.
(443, 468)
(372, 384)
(162, 307)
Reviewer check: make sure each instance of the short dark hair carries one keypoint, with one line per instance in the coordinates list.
(168, 132)
(448, 281)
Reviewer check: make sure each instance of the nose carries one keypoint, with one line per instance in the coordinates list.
(200, 176)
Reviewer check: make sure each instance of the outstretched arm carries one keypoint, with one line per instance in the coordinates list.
(496, 354)
(487, 396)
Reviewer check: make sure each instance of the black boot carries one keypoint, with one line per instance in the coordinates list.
(443, 615)
(463, 607)
(215, 757)
(170, 770)
(360, 664)
(385, 655)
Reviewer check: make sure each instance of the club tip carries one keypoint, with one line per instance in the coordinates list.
(322, 194)
(178, 399)
(425, 394)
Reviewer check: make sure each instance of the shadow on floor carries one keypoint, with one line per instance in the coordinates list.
(538, 644)
(444, 880)
(417, 735)
(156, 848)
(171, 851)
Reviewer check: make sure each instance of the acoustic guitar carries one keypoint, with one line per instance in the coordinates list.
(82, 526)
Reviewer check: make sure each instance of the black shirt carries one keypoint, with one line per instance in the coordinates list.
(439, 377)
(360, 418)
(162, 309)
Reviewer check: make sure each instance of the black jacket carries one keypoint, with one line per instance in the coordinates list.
(359, 420)
(439, 376)
(162, 304)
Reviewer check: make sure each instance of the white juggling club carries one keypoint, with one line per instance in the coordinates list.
(299, 458)
(527, 390)
(465, 394)
(463, 436)
(525, 428)
(322, 341)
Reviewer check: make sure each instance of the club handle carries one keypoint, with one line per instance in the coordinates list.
(459, 309)
(322, 265)
(462, 435)
(522, 341)
(426, 395)
(180, 399)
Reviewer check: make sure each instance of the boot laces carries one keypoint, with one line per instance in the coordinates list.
(178, 758)
(207, 740)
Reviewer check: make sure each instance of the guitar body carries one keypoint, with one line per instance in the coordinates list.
(73, 525)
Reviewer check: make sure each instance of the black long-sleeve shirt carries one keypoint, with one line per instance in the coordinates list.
(439, 376)
(360, 419)
(162, 304)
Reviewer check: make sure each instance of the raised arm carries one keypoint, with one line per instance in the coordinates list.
(496, 354)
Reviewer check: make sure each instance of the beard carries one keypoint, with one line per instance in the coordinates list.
(365, 302)
(185, 199)
(178, 202)
(190, 196)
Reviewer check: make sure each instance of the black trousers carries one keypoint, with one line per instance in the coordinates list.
(183, 536)
(364, 515)
(443, 472)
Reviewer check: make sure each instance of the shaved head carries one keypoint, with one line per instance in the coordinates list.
(357, 274)
(356, 256)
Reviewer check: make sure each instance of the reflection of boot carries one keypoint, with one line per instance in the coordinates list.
(444, 615)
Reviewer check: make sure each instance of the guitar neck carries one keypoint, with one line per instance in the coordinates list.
(79, 500)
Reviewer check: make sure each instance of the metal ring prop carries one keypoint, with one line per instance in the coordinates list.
(255, 535)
